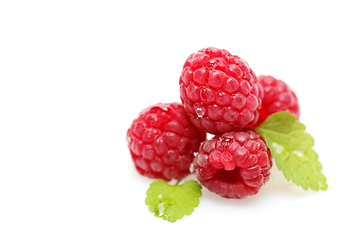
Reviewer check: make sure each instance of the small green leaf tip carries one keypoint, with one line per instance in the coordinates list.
(291, 147)
(172, 202)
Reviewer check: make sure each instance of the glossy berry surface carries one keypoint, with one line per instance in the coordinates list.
(219, 91)
(234, 164)
(162, 142)
(277, 97)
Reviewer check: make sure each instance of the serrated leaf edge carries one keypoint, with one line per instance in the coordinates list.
(269, 142)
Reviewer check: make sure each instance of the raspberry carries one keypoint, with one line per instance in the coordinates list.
(277, 97)
(162, 142)
(234, 164)
(219, 91)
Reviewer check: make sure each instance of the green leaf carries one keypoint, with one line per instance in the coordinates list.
(172, 202)
(291, 147)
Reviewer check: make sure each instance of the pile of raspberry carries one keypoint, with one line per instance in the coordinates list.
(223, 98)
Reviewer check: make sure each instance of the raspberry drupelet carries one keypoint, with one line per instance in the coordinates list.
(162, 142)
(277, 97)
(234, 164)
(219, 91)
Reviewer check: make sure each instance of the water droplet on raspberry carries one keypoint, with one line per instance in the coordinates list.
(200, 111)
(225, 142)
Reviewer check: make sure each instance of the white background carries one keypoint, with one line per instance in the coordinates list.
(74, 74)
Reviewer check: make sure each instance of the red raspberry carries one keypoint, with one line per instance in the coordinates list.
(277, 97)
(162, 142)
(234, 165)
(219, 91)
